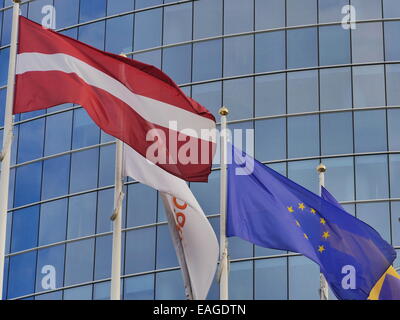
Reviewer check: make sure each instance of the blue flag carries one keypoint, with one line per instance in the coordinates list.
(270, 210)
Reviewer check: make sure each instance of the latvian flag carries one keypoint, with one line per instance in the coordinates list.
(132, 101)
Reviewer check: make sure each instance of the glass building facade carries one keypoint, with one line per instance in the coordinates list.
(311, 89)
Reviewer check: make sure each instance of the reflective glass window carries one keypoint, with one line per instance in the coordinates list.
(393, 129)
(391, 9)
(331, 10)
(241, 280)
(166, 256)
(85, 131)
(238, 55)
(55, 177)
(114, 7)
(302, 48)
(376, 215)
(238, 96)
(303, 279)
(207, 18)
(58, 133)
(25, 227)
(303, 134)
(394, 162)
(370, 131)
(269, 14)
(392, 46)
(101, 290)
(339, 178)
(92, 9)
(78, 293)
(303, 172)
(21, 277)
(369, 86)
(84, 170)
(336, 133)
(207, 60)
(270, 95)
(208, 95)
(148, 29)
(105, 207)
(6, 30)
(238, 16)
(119, 34)
(302, 91)
(147, 3)
(393, 84)
(334, 45)
(270, 49)
(142, 205)
(35, 10)
(335, 88)
(3, 94)
(239, 248)
(81, 215)
(204, 193)
(4, 57)
(169, 285)
(271, 273)
(140, 243)
(177, 23)
(367, 9)
(27, 184)
(270, 139)
(151, 57)
(395, 211)
(56, 295)
(301, 12)
(50, 261)
(371, 177)
(53, 222)
(79, 262)
(139, 288)
(30, 144)
(367, 42)
(93, 34)
(177, 63)
(103, 252)
(107, 166)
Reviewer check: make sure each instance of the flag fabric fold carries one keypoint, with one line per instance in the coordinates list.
(132, 101)
(268, 209)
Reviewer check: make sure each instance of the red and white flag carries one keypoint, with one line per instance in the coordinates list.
(132, 101)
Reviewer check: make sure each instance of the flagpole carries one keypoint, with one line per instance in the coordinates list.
(7, 141)
(224, 262)
(323, 284)
(115, 293)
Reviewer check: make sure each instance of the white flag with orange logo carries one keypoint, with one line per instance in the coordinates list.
(194, 239)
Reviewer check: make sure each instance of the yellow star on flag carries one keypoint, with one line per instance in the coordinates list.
(290, 209)
(322, 220)
(321, 249)
(326, 235)
(313, 211)
(301, 206)
(297, 223)
(306, 236)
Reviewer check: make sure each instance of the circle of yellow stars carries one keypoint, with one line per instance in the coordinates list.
(325, 234)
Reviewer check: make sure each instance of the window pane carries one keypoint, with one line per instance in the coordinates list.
(392, 46)
(35, 10)
(169, 285)
(119, 34)
(392, 84)
(238, 55)
(270, 94)
(238, 96)
(27, 184)
(21, 278)
(394, 161)
(57, 295)
(55, 177)
(177, 63)
(367, 42)
(120, 6)
(140, 243)
(139, 288)
(4, 57)
(377, 216)
(369, 86)
(58, 133)
(370, 131)
(393, 129)
(301, 12)
(25, 225)
(93, 34)
(82, 215)
(53, 222)
(367, 9)
(303, 135)
(391, 9)
(79, 262)
(78, 293)
(92, 9)
(208, 95)
(84, 170)
(50, 260)
(206, 193)
(371, 177)
(166, 255)
(101, 290)
(395, 209)
(241, 281)
(3, 94)
(142, 205)
(178, 23)
(269, 14)
(335, 88)
(334, 45)
(331, 10)
(271, 279)
(105, 207)
(207, 60)
(238, 16)
(339, 178)
(67, 12)
(85, 131)
(103, 258)
(337, 133)
(148, 29)
(239, 248)
(30, 144)
(270, 48)
(147, 3)
(302, 90)
(303, 172)
(150, 57)
(302, 48)
(303, 279)
(271, 139)
(107, 166)
(207, 18)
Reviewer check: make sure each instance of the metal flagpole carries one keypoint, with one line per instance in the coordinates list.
(323, 284)
(115, 293)
(7, 141)
(223, 263)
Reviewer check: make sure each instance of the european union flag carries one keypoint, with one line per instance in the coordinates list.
(269, 210)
